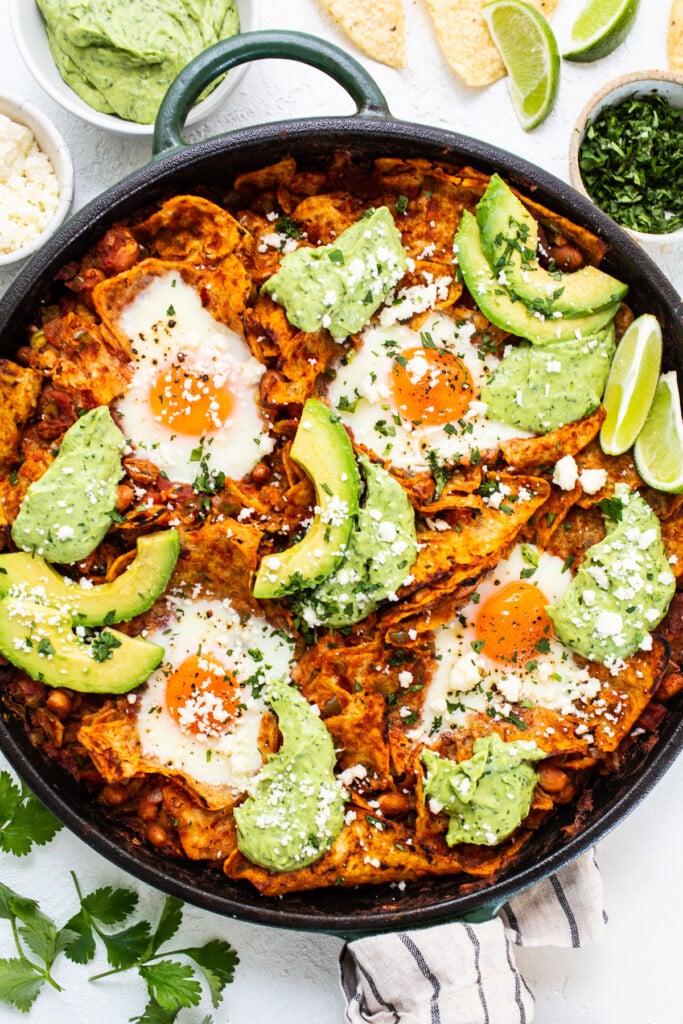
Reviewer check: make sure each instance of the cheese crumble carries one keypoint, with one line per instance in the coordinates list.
(29, 189)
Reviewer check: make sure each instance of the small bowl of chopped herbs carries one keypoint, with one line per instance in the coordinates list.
(626, 155)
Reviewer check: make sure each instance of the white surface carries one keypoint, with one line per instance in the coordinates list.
(633, 975)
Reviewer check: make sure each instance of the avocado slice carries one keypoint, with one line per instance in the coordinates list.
(505, 310)
(509, 239)
(322, 448)
(40, 641)
(130, 594)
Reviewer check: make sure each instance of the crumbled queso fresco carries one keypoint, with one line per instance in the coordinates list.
(29, 189)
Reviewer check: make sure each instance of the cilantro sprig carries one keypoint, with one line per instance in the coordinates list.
(172, 984)
(24, 821)
(174, 978)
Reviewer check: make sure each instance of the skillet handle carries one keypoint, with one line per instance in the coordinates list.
(229, 53)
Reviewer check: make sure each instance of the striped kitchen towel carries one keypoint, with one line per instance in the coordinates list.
(462, 973)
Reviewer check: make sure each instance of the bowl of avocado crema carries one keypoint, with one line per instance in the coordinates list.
(111, 64)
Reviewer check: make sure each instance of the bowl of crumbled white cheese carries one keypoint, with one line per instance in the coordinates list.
(36, 180)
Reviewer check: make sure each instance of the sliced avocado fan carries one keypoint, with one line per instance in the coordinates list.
(509, 240)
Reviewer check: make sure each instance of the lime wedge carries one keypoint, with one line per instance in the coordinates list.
(631, 384)
(658, 451)
(600, 27)
(529, 52)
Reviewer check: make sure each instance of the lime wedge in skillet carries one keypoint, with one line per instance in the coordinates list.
(601, 26)
(631, 384)
(529, 52)
(658, 451)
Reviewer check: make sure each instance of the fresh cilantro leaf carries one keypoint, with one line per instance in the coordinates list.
(613, 508)
(103, 645)
(155, 1014)
(79, 944)
(24, 821)
(126, 948)
(20, 985)
(110, 906)
(217, 960)
(171, 984)
(169, 923)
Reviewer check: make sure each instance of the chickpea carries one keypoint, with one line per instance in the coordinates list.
(260, 473)
(552, 779)
(114, 794)
(156, 835)
(148, 806)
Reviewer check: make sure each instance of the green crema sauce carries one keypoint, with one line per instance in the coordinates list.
(295, 808)
(487, 796)
(622, 589)
(381, 550)
(340, 286)
(540, 388)
(120, 56)
(68, 510)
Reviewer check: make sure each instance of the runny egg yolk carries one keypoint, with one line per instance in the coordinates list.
(512, 623)
(190, 401)
(431, 386)
(202, 696)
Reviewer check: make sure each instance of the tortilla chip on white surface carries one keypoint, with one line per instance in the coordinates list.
(377, 27)
(674, 39)
(465, 40)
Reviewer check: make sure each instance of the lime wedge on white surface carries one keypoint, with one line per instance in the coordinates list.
(600, 27)
(631, 384)
(529, 52)
(658, 451)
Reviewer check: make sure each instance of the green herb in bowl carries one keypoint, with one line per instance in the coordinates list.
(631, 163)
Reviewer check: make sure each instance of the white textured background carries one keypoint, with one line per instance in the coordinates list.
(633, 975)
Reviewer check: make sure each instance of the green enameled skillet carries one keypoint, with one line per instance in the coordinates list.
(371, 132)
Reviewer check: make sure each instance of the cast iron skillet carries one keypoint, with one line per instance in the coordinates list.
(370, 132)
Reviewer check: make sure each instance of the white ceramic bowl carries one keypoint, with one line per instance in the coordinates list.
(56, 150)
(665, 249)
(31, 39)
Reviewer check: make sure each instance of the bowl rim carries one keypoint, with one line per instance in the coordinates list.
(597, 101)
(24, 13)
(53, 144)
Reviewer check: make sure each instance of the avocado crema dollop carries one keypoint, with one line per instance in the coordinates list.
(295, 807)
(120, 56)
(377, 560)
(68, 510)
(487, 796)
(541, 388)
(622, 589)
(341, 285)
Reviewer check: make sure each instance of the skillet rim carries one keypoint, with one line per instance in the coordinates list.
(250, 148)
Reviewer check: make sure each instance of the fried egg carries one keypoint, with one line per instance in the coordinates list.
(413, 396)
(194, 385)
(500, 650)
(200, 713)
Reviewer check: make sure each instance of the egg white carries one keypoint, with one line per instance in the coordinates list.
(467, 680)
(362, 394)
(168, 326)
(247, 649)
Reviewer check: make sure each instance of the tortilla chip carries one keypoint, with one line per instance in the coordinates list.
(191, 228)
(19, 390)
(674, 39)
(529, 454)
(377, 28)
(465, 40)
